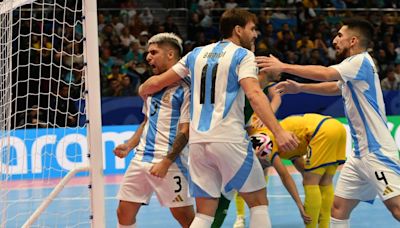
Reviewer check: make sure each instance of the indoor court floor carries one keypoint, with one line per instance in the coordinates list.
(282, 209)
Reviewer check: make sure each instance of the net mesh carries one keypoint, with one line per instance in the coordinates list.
(42, 106)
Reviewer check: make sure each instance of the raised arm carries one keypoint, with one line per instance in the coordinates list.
(261, 106)
(315, 72)
(322, 88)
(275, 98)
(158, 82)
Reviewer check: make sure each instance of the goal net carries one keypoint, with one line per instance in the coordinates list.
(50, 161)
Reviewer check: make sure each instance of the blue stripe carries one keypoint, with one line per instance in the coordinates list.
(233, 88)
(207, 109)
(196, 191)
(372, 142)
(319, 126)
(182, 168)
(387, 161)
(190, 63)
(149, 149)
(371, 94)
(353, 134)
(274, 156)
(176, 103)
(338, 162)
(243, 173)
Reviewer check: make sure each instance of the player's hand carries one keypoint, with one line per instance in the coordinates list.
(160, 169)
(288, 87)
(122, 150)
(287, 141)
(274, 91)
(270, 64)
(306, 218)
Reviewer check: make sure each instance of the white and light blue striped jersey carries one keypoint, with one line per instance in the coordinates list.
(217, 100)
(164, 111)
(364, 106)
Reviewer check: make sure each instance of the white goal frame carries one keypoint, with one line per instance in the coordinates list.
(94, 123)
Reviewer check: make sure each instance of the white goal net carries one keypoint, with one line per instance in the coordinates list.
(50, 163)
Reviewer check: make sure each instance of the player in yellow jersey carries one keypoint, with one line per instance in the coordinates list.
(320, 151)
(267, 81)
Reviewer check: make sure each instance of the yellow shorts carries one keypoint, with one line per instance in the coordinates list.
(327, 146)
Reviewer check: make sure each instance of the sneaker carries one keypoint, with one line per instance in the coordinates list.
(239, 223)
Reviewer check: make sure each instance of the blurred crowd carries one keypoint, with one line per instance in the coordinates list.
(294, 31)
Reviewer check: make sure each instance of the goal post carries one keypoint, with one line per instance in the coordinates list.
(51, 156)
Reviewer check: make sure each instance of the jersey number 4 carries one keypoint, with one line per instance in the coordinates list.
(203, 83)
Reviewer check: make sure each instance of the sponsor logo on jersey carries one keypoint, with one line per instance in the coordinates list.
(388, 190)
(178, 198)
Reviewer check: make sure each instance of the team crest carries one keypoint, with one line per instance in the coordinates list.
(166, 97)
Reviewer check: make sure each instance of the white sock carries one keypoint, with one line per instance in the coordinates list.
(259, 217)
(337, 223)
(127, 226)
(201, 221)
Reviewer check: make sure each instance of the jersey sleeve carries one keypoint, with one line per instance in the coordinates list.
(348, 68)
(144, 107)
(185, 116)
(248, 67)
(180, 67)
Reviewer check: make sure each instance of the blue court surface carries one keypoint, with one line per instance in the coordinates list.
(282, 209)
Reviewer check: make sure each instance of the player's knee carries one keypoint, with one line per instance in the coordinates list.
(126, 212)
(335, 211)
(184, 215)
(396, 212)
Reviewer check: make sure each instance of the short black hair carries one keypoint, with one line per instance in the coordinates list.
(363, 27)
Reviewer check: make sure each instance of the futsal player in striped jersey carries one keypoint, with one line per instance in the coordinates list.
(221, 157)
(374, 167)
(160, 161)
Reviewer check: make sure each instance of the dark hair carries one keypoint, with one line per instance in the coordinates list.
(363, 27)
(233, 17)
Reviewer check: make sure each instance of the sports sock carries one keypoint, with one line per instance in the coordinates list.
(312, 204)
(221, 212)
(240, 210)
(202, 220)
(337, 223)
(259, 217)
(266, 179)
(327, 196)
(127, 226)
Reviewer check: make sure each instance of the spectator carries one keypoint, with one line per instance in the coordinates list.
(106, 62)
(65, 114)
(143, 38)
(305, 42)
(146, 17)
(194, 26)
(34, 118)
(287, 43)
(170, 25)
(285, 28)
(205, 6)
(126, 38)
(114, 88)
(134, 54)
(128, 88)
(230, 4)
(116, 73)
(390, 82)
(117, 24)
